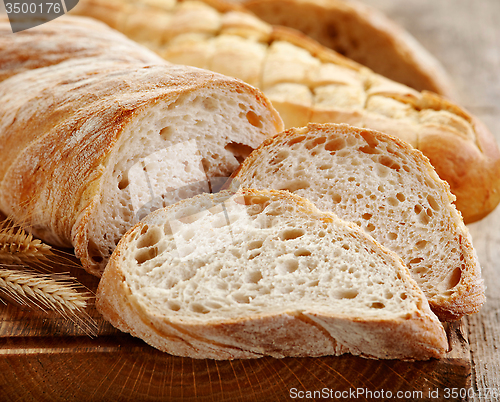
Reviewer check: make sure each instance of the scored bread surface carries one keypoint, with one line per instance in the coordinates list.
(259, 273)
(390, 190)
(307, 82)
(363, 34)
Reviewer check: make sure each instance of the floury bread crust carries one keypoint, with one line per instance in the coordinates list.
(258, 273)
(91, 145)
(307, 82)
(65, 39)
(390, 190)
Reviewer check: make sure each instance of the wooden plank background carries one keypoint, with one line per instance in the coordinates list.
(465, 36)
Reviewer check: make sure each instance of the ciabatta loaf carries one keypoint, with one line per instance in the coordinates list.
(390, 190)
(308, 82)
(363, 34)
(89, 146)
(258, 273)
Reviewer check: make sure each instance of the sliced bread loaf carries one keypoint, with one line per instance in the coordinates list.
(89, 145)
(387, 188)
(264, 272)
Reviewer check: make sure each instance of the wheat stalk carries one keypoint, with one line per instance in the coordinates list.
(20, 251)
(56, 292)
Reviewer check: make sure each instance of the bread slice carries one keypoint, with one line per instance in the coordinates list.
(362, 33)
(307, 82)
(264, 272)
(91, 145)
(390, 190)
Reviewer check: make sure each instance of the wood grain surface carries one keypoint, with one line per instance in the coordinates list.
(45, 358)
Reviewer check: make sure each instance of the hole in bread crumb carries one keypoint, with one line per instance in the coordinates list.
(389, 162)
(198, 308)
(241, 298)
(377, 305)
(123, 183)
(418, 208)
(421, 244)
(313, 283)
(392, 236)
(291, 234)
(144, 229)
(254, 119)
(369, 150)
(254, 276)
(415, 261)
(295, 186)
(401, 197)
(346, 293)
(239, 151)
(150, 237)
(314, 142)
(453, 279)
(302, 253)
(167, 133)
(393, 202)
(336, 198)
(370, 227)
(433, 203)
(403, 296)
(325, 166)
(174, 306)
(288, 266)
(335, 145)
(255, 244)
(366, 216)
(145, 254)
(296, 140)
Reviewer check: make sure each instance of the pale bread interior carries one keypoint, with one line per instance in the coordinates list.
(388, 189)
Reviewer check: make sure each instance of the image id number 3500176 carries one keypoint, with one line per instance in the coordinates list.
(38, 8)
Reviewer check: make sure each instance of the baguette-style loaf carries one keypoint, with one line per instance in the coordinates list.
(231, 276)
(308, 82)
(363, 34)
(91, 145)
(390, 190)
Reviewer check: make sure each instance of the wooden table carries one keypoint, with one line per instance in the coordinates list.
(45, 358)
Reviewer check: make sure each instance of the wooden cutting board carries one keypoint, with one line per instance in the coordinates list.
(44, 357)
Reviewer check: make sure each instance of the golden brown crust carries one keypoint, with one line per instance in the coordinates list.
(361, 33)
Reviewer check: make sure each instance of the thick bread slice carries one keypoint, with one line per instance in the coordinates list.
(257, 273)
(363, 34)
(91, 145)
(307, 82)
(390, 190)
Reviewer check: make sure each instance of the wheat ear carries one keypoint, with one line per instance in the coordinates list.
(56, 292)
(18, 246)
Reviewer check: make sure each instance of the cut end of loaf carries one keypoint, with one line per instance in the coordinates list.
(388, 189)
(175, 147)
(264, 273)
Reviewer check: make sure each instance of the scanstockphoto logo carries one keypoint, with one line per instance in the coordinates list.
(31, 13)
